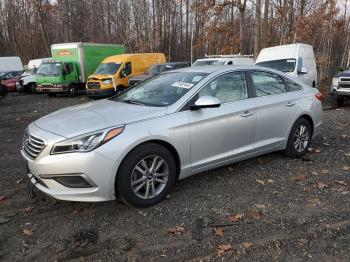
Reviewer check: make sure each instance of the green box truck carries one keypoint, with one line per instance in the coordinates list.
(71, 65)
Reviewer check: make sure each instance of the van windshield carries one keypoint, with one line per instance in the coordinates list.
(160, 90)
(208, 62)
(283, 65)
(107, 68)
(49, 69)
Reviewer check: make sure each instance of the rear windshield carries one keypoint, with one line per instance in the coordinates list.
(107, 68)
(208, 62)
(283, 65)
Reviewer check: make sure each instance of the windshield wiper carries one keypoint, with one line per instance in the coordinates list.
(129, 101)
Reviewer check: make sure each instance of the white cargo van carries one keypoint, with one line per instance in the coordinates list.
(241, 60)
(27, 81)
(296, 60)
(10, 63)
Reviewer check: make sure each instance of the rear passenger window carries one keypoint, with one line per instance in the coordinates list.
(291, 86)
(267, 84)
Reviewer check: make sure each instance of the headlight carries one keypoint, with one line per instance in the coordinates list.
(86, 142)
(107, 81)
(335, 81)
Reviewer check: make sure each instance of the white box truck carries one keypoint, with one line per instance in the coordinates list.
(10, 63)
(296, 60)
(27, 81)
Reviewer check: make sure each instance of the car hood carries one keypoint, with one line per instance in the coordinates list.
(345, 73)
(80, 119)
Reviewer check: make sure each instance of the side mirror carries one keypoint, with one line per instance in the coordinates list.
(206, 102)
(122, 74)
(302, 71)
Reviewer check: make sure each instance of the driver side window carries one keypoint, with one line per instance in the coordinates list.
(227, 88)
(127, 68)
(68, 68)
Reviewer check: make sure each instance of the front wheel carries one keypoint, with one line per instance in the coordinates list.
(146, 175)
(73, 91)
(299, 138)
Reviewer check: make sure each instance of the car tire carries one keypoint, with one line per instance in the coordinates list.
(32, 88)
(73, 91)
(340, 101)
(136, 175)
(299, 139)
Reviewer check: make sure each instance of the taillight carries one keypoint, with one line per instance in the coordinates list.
(319, 96)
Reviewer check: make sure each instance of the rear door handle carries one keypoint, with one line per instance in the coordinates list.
(290, 104)
(247, 114)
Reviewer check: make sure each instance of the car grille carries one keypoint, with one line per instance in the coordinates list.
(32, 145)
(94, 85)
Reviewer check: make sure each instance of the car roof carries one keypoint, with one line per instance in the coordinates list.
(173, 63)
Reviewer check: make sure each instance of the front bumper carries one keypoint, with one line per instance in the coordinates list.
(51, 89)
(106, 92)
(46, 172)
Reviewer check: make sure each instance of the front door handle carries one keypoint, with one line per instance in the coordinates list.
(247, 114)
(290, 104)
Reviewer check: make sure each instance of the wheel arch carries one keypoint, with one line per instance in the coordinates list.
(161, 142)
(310, 120)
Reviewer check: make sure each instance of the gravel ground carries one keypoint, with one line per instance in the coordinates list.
(284, 209)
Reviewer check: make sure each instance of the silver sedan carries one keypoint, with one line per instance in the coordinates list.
(137, 144)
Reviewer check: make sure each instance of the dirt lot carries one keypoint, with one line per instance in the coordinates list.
(284, 209)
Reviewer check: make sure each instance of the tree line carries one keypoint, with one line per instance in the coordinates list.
(182, 29)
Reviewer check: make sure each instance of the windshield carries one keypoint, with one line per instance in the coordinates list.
(49, 69)
(208, 62)
(161, 90)
(283, 65)
(107, 68)
(157, 69)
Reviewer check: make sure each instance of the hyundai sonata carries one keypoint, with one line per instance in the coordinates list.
(136, 144)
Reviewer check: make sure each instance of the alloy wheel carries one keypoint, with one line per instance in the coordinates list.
(301, 138)
(149, 177)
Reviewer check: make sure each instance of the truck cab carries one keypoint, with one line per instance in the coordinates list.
(58, 77)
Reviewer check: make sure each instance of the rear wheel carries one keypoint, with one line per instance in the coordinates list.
(146, 175)
(299, 138)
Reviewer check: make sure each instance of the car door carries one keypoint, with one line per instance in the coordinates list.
(220, 134)
(275, 109)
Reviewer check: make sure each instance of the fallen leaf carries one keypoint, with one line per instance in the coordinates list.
(344, 136)
(218, 231)
(341, 183)
(321, 185)
(306, 189)
(299, 178)
(224, 248)
(261, 182)
(315, 201)
(317, 150)
(326, 144)
(28, 209)
(27, 232)
(2, 198)
(246, 245)
(256, 214)
(270, 181)
(346, 168)
(324, 171)
(19, 181)
(314, 173)
(347, 154)
(177, 230)
(235, 218)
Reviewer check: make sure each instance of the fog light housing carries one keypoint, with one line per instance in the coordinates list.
(73, 181)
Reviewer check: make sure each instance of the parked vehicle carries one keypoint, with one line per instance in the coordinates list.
(112, 75)
(155, 70)
(237, 60)
(296, 60)
(26, 82)
(340, 88)
(9, 79)
(71, 65)
(179, 123)
(10, 64)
